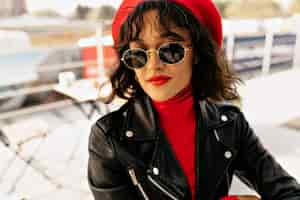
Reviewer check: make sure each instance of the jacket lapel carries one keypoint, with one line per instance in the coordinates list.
(140, 120)
(214, 156)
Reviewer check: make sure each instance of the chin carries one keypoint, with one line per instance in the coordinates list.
(161, 97)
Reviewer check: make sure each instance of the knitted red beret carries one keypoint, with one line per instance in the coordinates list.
(204, 10)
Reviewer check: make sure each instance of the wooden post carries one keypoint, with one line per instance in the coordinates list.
(296, 60)
(230, 47)
(267, 52)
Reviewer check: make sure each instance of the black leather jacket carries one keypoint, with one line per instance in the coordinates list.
(129, 157)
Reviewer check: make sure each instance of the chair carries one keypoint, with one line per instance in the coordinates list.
(14, 136)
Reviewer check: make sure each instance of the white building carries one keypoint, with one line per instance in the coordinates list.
(12, 8)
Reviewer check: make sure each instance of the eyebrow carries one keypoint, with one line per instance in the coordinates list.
(172, 35)
(168, 34)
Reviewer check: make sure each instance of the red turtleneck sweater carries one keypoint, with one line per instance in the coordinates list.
(177, 119)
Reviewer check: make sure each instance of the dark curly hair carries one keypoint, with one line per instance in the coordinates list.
(211, 75)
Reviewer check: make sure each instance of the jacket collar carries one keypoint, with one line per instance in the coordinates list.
(215, 115)
(141, 118)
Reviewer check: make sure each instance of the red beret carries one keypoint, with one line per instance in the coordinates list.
(204, 10)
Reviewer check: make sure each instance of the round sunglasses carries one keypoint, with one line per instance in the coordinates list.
(169, 53)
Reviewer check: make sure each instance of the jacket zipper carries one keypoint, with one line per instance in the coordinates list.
(137, 183)
(163, 190)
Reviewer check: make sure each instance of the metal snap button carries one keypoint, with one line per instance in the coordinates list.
(224, 118)
(129, 134)
(228, 154)
(155, 171)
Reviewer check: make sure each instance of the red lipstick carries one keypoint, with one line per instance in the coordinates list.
(159, 80)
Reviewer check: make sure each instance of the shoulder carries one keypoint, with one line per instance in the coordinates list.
(102, 131)
(113, 119)
(231, 117)
(221, 110)
(228, 109)
(136, 112)
(228, 123)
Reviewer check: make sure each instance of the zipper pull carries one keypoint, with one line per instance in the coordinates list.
(137, 183)
(133, 176)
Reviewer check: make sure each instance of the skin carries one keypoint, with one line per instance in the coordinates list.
(248, 197)
(151, 37)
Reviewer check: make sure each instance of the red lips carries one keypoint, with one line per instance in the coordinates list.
(159, 80)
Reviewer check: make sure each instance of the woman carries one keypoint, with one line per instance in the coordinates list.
(174, 139)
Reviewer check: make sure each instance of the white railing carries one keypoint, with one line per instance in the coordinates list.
(297, 51)
(268, 43)
(36, 109)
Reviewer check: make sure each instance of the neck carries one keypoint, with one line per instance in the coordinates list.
(183, 100)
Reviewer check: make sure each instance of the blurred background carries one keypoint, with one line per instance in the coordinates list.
(56, 56)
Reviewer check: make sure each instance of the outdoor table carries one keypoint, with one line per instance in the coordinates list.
(87, 91)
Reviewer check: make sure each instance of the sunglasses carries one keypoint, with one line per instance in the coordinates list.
(169, 53)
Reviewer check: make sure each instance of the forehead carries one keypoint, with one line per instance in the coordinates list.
(152, 28)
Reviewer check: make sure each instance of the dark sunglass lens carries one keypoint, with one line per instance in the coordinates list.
(135, 58)
(171, 53)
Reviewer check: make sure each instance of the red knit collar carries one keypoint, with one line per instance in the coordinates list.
(182, 101)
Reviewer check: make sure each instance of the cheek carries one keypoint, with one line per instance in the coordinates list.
(185, 75)
(189, 65)
(186, 70)
(139, 75)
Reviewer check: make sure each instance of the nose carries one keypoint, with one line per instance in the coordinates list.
(153, 59)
